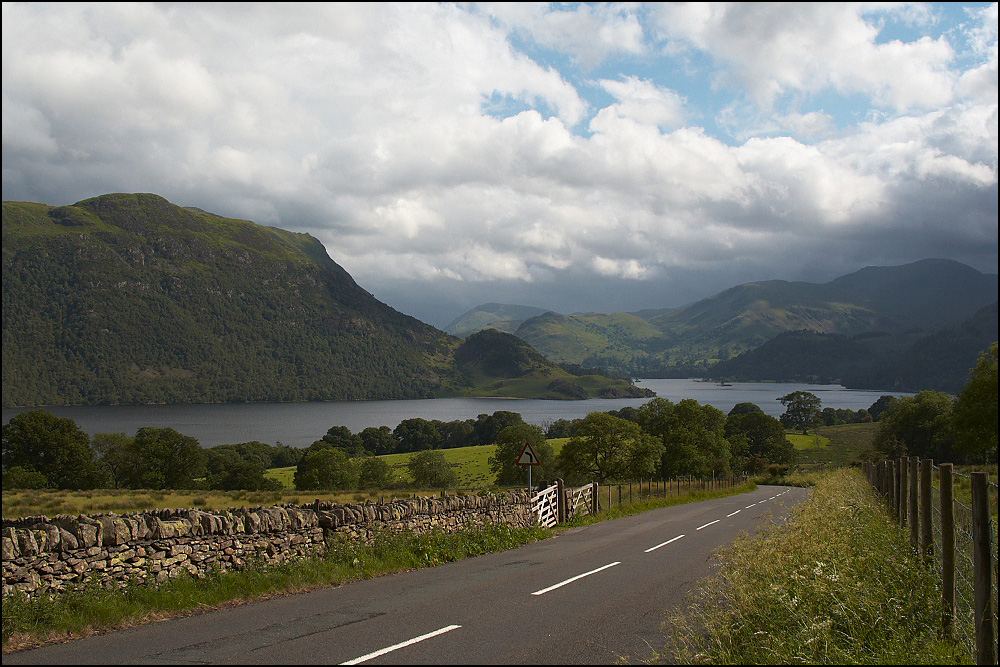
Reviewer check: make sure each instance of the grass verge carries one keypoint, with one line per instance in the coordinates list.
(837, 584)
(640, 506)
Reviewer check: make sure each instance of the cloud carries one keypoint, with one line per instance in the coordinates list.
(588, 33)
(438, 160)
(770, 49)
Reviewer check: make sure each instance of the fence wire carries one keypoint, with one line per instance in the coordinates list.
(964, 626)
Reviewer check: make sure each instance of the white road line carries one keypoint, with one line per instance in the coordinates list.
(663, 544)
(708, 524)
(749, 506)
(572, 579)
(734, 513)
(390, 649)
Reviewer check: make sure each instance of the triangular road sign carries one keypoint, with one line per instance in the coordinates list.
(527, 457)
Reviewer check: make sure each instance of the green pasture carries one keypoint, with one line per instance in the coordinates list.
(471, 464)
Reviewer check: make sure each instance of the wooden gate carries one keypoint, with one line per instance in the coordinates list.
(582, 501)
(545, 505)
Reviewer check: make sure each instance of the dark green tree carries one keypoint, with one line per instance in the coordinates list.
(227, 470)
(378, 440)
(162, 458)
(510, 443)
(763, 435)
(922, 424)
(802, 411)
(976, 411)
(373, 473)
(54, 447)
(17, 477)
(693, 436)
(881, 405)
(430, 470)
(114, 452)
(342, 438)
(326, 468)
(416, 434)
(488, 427)
(744, 408)
(606, 447)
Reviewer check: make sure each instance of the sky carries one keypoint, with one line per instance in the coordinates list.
(569, 156)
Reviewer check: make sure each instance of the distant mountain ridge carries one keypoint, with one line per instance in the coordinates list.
(128, 298)
(897, 304)
(500, 316)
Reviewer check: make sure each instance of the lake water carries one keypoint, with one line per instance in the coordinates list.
(300, 424)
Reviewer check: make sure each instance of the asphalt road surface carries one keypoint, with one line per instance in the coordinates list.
(591, 595)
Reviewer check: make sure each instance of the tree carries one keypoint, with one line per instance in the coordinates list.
(378, 440)
(880, 406)
(342, 438)
(763, 437)
(922, 424)
(606, 447)
(976, 410)
(693, 436)
(487, 427)
(430, 470)
(744, 408)
(373, 473)
(53, 447)
(162, 458)
(802, 411)
(417, 434)
(229, 470)
(326, 468)
(114, 452)
(510, 443)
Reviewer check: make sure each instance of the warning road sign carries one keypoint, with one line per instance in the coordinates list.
(527, 457)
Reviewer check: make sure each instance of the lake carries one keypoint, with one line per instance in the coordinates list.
(300, 424)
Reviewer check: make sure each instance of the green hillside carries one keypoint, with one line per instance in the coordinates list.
(129, 299)
(493, 363)
(878, 313)
(500, 316)
(908, 361)
(621, 342)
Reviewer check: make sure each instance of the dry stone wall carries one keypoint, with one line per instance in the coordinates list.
(42, 554)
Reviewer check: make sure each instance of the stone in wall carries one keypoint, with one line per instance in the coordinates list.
(41, 554)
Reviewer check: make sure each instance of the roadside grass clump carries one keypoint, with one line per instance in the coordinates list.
(836, 584)
(89, 608)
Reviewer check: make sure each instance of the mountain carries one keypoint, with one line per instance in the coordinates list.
(621, 342)
(925, 295)
(127, 298)
(500, 316)
(891, 306)
(497, 363)
(903, 362)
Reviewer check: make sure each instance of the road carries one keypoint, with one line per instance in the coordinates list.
(591, 595)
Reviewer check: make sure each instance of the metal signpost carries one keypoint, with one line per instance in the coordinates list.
(528, 458)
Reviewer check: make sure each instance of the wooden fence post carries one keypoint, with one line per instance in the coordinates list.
(982, 570)
(595, 503)
(947, 550)
(560, 501)
(926, 521)
(912, 511)
(904, 491)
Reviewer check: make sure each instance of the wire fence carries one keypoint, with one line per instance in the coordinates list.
(946, 533)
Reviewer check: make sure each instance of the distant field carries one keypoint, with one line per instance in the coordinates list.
(836, 445)
(471, 464)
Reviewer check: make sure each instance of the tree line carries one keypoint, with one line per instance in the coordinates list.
(660, 438)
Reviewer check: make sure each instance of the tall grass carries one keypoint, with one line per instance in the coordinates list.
(837, 584)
